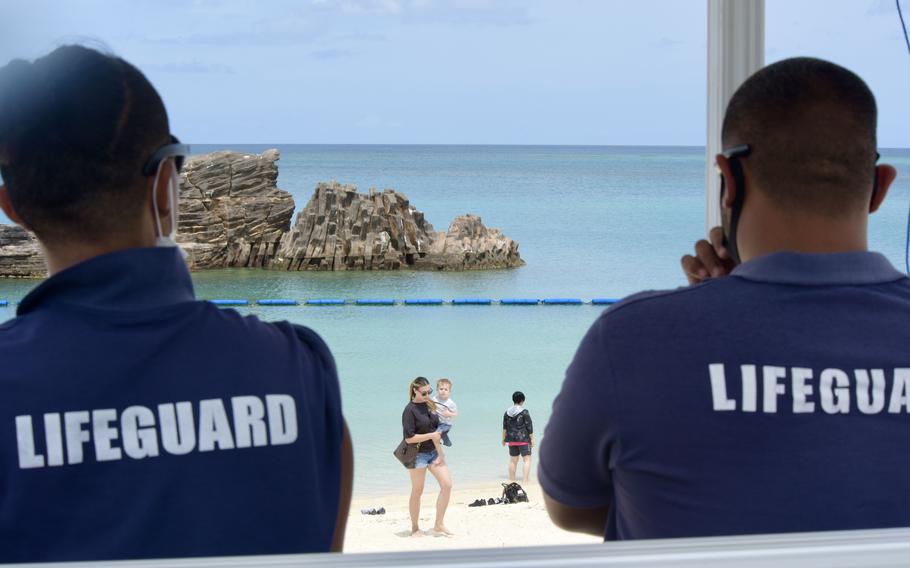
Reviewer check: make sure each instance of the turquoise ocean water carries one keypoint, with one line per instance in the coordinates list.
(591, 222)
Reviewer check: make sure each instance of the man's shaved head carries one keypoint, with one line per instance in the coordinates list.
(811, 126)
(76, 127)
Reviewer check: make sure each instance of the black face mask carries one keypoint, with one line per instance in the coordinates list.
(874, 180)
(733, 155)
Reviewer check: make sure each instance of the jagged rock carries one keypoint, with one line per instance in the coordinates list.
(233, 214)
(231, 210)
(20, 254)
(341, 229)
(469, 245)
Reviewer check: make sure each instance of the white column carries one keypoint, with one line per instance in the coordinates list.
(736, 49)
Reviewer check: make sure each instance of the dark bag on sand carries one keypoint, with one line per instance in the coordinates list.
(513, 493)
(407, 454)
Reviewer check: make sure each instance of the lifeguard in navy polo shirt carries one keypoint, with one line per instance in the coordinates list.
(135, 421)
(773, 394)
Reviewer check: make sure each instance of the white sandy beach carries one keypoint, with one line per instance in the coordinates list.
(521, 524)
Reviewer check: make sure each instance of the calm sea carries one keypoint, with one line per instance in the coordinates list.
(591, 222)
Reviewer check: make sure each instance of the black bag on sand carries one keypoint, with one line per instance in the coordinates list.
(406, 454)
(513, 493)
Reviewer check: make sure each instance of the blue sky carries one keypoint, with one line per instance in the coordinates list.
(451, 71)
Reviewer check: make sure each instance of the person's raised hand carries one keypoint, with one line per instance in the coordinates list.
(711, 259)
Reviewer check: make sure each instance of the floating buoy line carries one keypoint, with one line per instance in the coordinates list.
(415, 302)
(229, 302)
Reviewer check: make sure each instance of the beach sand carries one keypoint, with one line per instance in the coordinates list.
(521, 524)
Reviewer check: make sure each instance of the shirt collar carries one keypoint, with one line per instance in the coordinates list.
(132, 279)
(843, 268)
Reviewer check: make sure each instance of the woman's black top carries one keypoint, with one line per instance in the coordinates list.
(417, 419)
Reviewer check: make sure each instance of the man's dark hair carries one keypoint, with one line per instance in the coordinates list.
(811, 126)
(76, 127)
(518, 397)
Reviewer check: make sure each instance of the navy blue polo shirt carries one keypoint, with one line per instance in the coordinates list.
(137, 422)
(773, 400)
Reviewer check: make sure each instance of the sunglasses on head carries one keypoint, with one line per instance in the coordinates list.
(174, 150)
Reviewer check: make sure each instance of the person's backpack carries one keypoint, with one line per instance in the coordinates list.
(513, 493)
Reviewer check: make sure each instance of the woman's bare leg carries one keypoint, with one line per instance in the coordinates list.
(513, 465)
(527, 468)
(418, 476)
(442, 475)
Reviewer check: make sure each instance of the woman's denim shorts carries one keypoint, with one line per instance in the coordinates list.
(425, 458)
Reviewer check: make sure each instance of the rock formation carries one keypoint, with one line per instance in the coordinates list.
(20, 255)
(233, 214)
(469, 245)
(341, 229)
(231, 211)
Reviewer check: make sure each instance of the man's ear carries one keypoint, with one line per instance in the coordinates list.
(6, 204)
(160, 194)
(730, 189)
(884, 177)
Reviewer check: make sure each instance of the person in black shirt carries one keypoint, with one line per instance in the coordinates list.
(518, 434)
(419, 422)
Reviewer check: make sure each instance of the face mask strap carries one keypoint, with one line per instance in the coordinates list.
(736, 210)
(174, 192)
(733, 155)
(158, 230)
(874, 180)
(172, 195)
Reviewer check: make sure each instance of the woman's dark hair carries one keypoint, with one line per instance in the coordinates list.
(518, 397)
(76, 127)
(416, 384)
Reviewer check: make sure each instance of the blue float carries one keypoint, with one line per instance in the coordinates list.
(406, 302)
(326, 302)
(277, 302)
(230, 302)
(424, 302)
(519, 301)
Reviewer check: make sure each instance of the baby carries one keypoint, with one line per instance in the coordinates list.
(445, 408)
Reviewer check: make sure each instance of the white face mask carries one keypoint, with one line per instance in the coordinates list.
(173, 193)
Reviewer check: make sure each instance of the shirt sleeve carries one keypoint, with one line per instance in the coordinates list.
(530, 424)
(408, 422)
(321, 383)
(321, 398)
(575, 450)
(505, 422)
